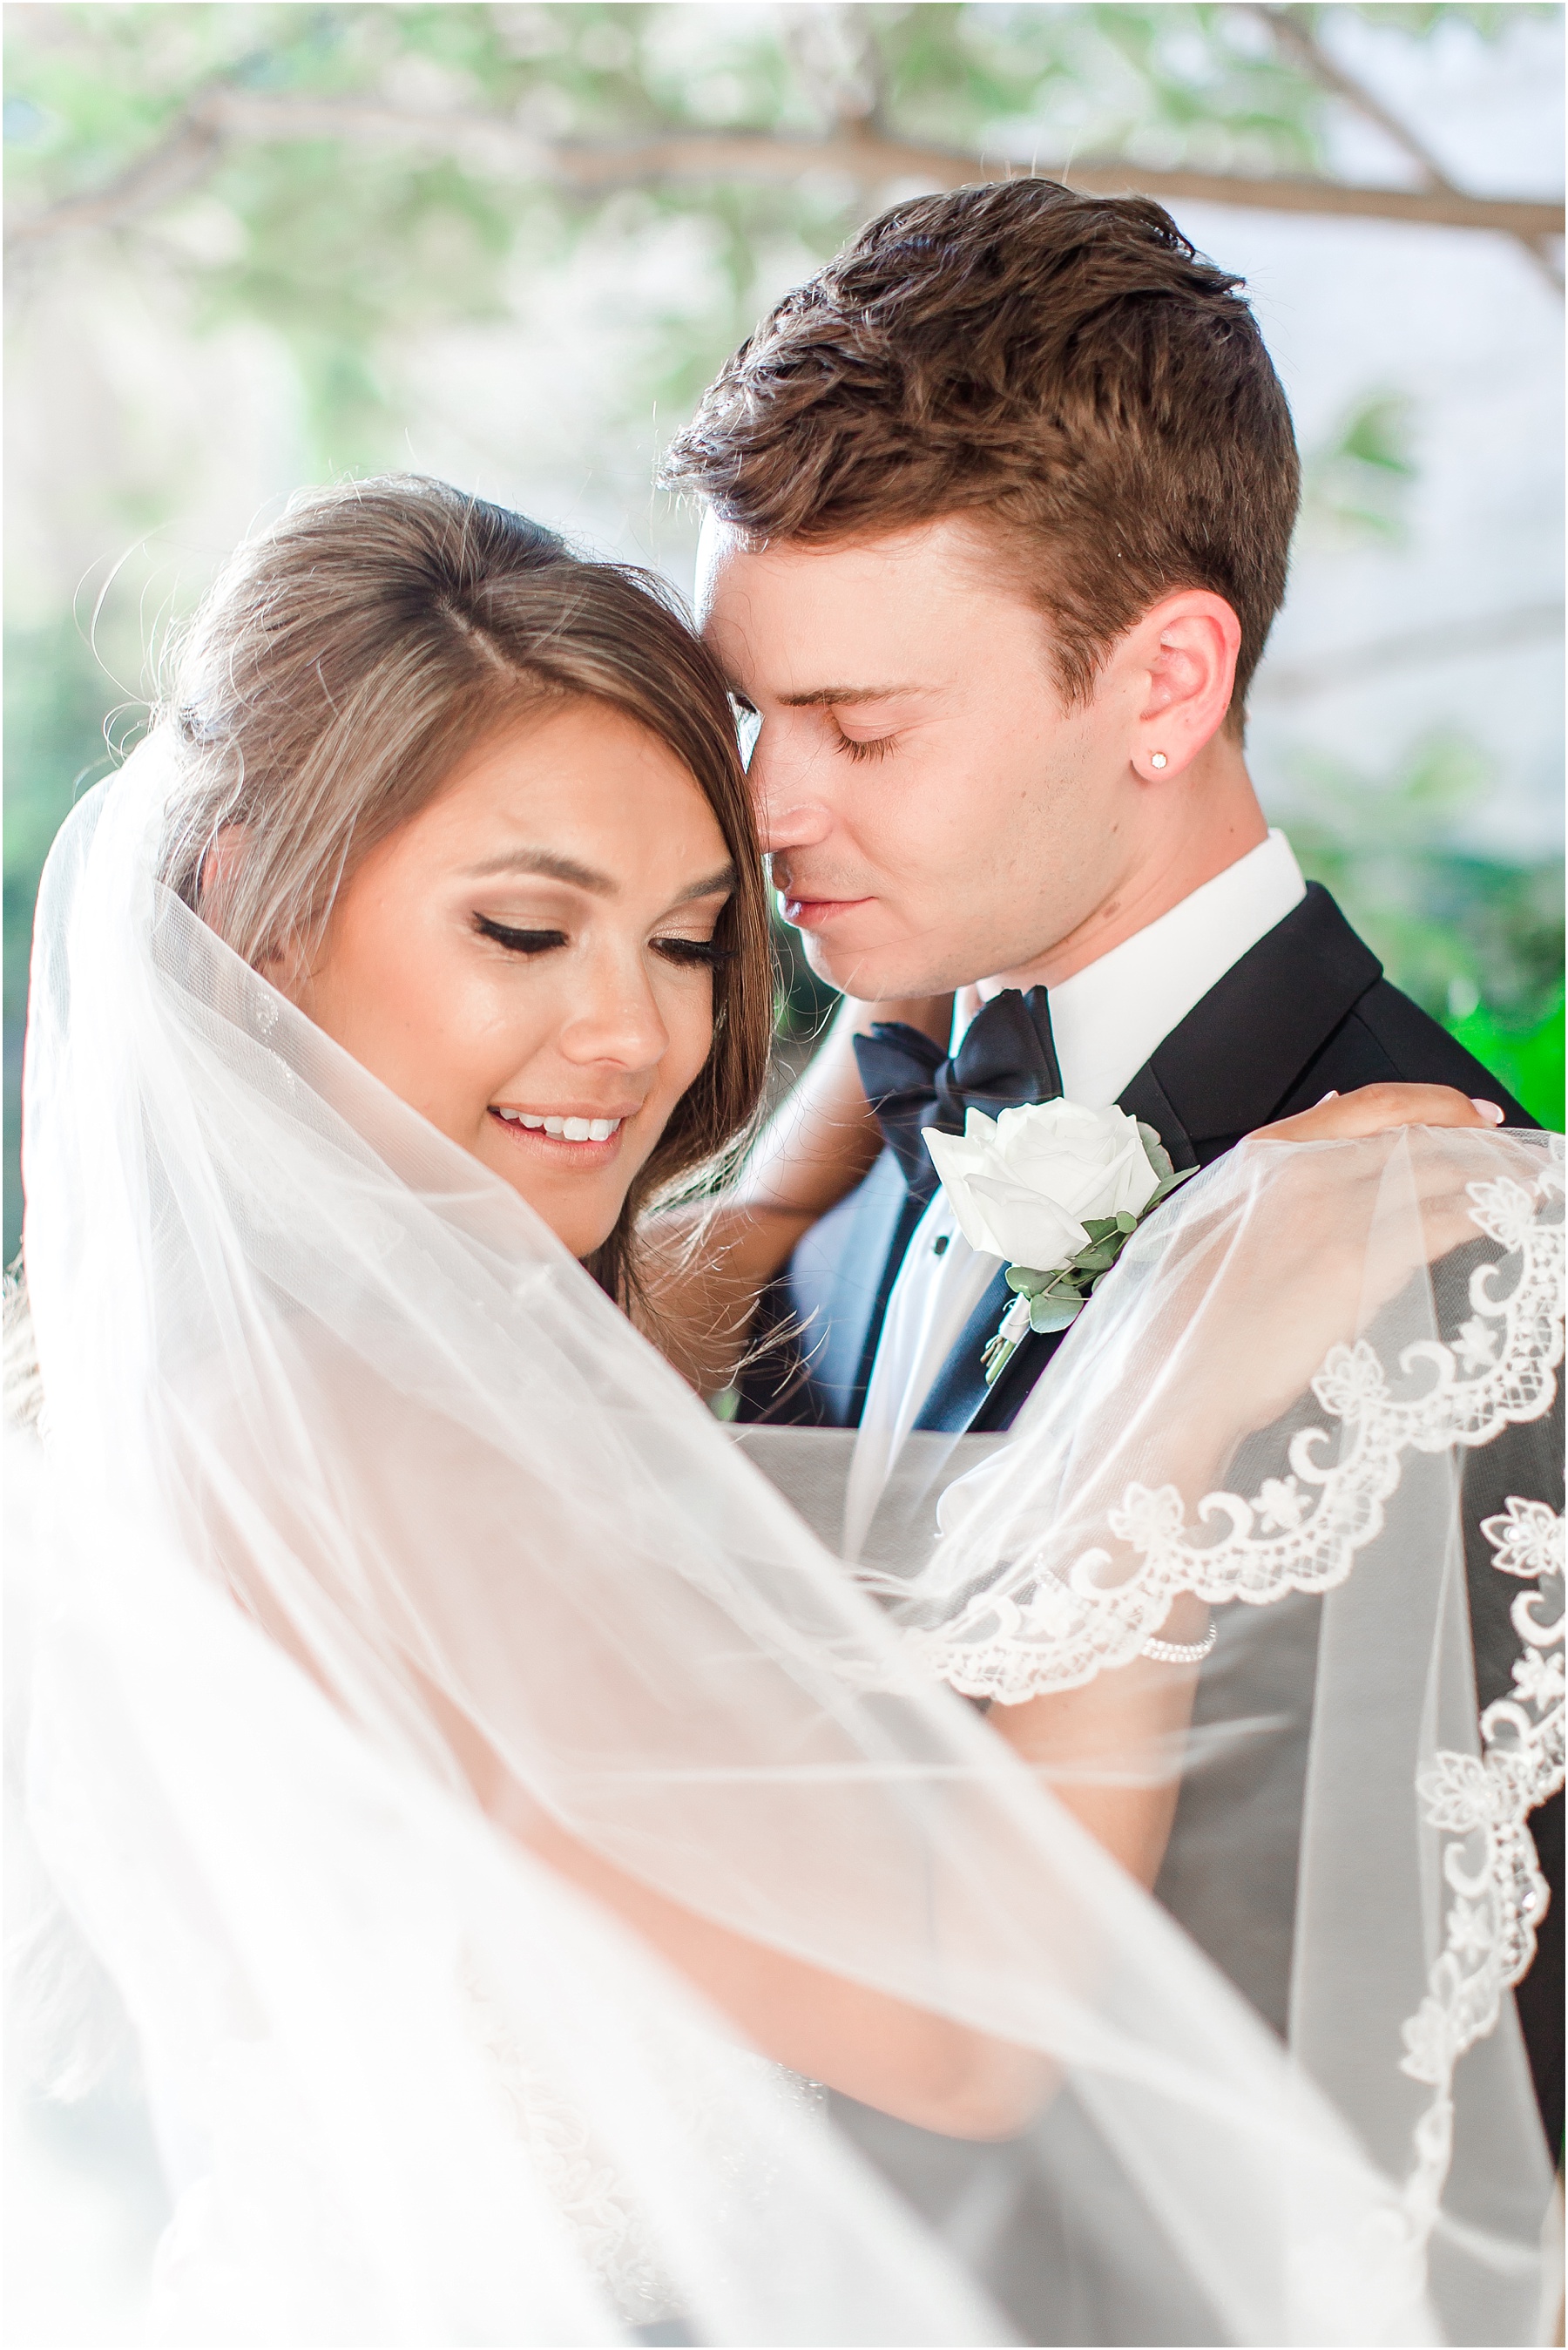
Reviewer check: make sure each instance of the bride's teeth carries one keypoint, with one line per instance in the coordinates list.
(570, 1130)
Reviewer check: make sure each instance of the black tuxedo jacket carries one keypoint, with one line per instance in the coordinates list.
(1307, 1011)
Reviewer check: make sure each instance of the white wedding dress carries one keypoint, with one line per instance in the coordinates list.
(393, 1596)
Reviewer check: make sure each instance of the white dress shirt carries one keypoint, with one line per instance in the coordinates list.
(1106, 1020)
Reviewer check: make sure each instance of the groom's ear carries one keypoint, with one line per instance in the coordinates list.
(1179, 668)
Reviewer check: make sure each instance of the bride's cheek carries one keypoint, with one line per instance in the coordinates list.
(692, 1038)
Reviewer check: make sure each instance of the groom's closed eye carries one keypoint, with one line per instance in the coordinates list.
(863, 722)
(862, 746)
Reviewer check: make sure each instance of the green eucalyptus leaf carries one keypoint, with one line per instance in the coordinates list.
(1055, 1314)
(1159, 1158)
(1167, 1187)
(1096, 1260)
(1025, 1281)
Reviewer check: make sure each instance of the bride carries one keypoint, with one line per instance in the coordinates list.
(497, 1816)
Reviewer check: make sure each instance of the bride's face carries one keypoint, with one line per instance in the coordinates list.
(529, 960)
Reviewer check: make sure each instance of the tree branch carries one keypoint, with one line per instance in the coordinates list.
(1293, 32)
(180, 162)
(223, 116)
(1419, 648)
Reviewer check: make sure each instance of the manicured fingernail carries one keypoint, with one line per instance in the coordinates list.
(1332, 1097)
(1491, 1111)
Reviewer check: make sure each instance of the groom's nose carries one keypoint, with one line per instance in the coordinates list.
(791, 809)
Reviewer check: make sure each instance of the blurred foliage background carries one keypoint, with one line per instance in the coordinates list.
(256, 245)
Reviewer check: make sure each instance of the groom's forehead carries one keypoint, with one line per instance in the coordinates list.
(853, 620)
(848, 582)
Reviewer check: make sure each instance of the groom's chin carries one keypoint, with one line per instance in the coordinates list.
(872, 974)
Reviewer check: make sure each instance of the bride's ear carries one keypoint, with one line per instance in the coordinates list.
(222, 867)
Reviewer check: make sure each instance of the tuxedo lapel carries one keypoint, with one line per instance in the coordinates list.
(1224, 1069)
(1146, 1098)
(1234, 1060)
(960, 1389)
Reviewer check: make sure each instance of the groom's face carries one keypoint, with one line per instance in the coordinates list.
(933, 813)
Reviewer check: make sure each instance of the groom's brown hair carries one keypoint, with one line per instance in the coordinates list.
(1064, 366)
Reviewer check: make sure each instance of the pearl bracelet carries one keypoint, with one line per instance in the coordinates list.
(1182, 1652)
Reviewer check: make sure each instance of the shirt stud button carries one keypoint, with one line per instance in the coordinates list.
(939, 1245)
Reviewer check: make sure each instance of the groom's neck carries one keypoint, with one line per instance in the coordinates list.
(1189, 837)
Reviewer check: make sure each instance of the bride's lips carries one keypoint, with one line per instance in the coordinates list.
(580, 1138)
(815, 914)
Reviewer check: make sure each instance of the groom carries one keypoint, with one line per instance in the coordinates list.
(998, 508)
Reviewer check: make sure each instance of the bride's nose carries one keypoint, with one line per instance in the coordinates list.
(615, 1016)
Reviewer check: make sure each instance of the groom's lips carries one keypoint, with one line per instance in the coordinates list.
(815, 914)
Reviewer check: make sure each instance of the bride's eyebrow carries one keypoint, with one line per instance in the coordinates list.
(717, 884)
(552, 867)
(546, 863)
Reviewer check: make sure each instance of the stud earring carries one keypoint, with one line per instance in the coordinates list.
(1156, 759)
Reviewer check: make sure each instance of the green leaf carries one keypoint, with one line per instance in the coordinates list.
(1098, 1259)
(1159, 1158)
(1053, 1314)
(1167, 1187)
(1025, 1283)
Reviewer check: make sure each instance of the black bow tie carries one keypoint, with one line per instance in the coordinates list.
(1008, 1056)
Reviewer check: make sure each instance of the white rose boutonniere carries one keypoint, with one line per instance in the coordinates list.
(1057, 1189)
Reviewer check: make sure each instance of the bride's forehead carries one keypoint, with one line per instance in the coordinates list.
(585, 791)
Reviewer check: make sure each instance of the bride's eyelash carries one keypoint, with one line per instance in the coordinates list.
(688, 953)
(876, 747)
(529, 942)
(707, 952)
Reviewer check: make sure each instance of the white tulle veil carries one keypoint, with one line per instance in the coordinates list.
(414, 1654)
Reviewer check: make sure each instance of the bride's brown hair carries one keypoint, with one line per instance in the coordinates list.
(346, 660)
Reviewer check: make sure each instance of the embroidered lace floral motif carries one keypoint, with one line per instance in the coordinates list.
(1483, 1803)
(1030, 1629)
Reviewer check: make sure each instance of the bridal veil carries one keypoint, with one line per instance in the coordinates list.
(494, 1804)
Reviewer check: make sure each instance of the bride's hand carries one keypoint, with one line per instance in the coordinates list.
(1375, 1110)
